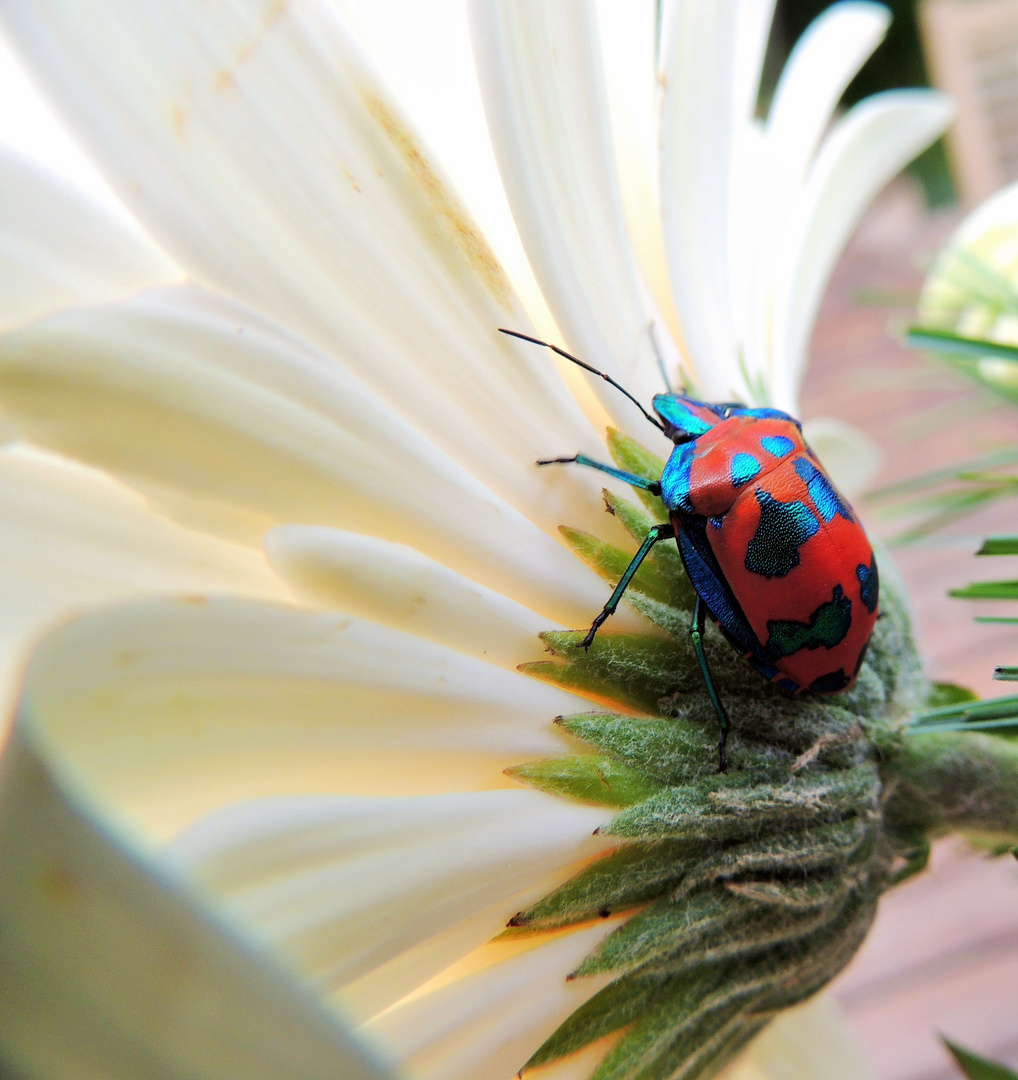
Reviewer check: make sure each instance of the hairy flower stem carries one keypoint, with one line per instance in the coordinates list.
(954, 781)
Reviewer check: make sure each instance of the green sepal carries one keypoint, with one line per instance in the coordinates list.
(685, 1026)
(664, 555)
(614, 1007)
(815, 892)
(975, 1067)
(666, 927)
(678, 1037)
(673, 751)
(628, 454)
(611, 563)
(822, 849)
(943, 341)
(588, 778)
(634, 671)
(707, 927)
(635, 874)
(944, 693)
(999, 545)
(738, 806)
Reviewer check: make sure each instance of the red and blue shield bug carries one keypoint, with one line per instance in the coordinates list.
(776, 556)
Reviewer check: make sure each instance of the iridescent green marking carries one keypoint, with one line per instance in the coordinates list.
(827, 627)
(783, 529)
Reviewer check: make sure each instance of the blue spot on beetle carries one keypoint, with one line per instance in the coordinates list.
(675, 480)
(821, 491)
(777, 445)
(745, 467)
(869, 583)
(783, 529)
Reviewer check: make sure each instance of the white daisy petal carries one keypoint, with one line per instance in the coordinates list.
(558, 168)
(822, 63)
(203, 402)
(436, 85)
(392, 981)
(342, 885)
(396, 585)
(699, 49)
(71, 538)
(208, 701)
(181, 995)
(59, 249)
(863, 151)
(255, 144)
(482, 1024)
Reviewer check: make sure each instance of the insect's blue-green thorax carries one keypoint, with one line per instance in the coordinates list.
(686, 418)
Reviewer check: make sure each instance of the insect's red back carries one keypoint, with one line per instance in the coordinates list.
(803, 571)
(789, 548)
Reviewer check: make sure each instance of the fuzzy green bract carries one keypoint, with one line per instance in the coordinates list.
(743, 893)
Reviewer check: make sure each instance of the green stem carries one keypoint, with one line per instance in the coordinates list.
(954, 782)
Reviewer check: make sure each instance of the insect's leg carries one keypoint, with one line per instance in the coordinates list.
(696, 633)
(653, 486)
(658, 532)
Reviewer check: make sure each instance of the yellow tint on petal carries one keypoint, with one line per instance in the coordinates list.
(809, 1042)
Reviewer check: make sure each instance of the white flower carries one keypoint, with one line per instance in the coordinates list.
(313, 364)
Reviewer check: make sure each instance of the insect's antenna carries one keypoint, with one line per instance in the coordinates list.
(586, 367)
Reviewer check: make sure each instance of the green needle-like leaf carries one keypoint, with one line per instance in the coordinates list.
(1006, 674)
(978, 1068)
(968, 712)
(987, 590)
(999, 545)
(942, 341)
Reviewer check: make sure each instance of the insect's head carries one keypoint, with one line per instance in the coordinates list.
(685, 418)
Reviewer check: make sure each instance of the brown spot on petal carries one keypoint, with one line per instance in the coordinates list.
(59, 885)
(225, 78)
(446, 210)
(178, 120)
